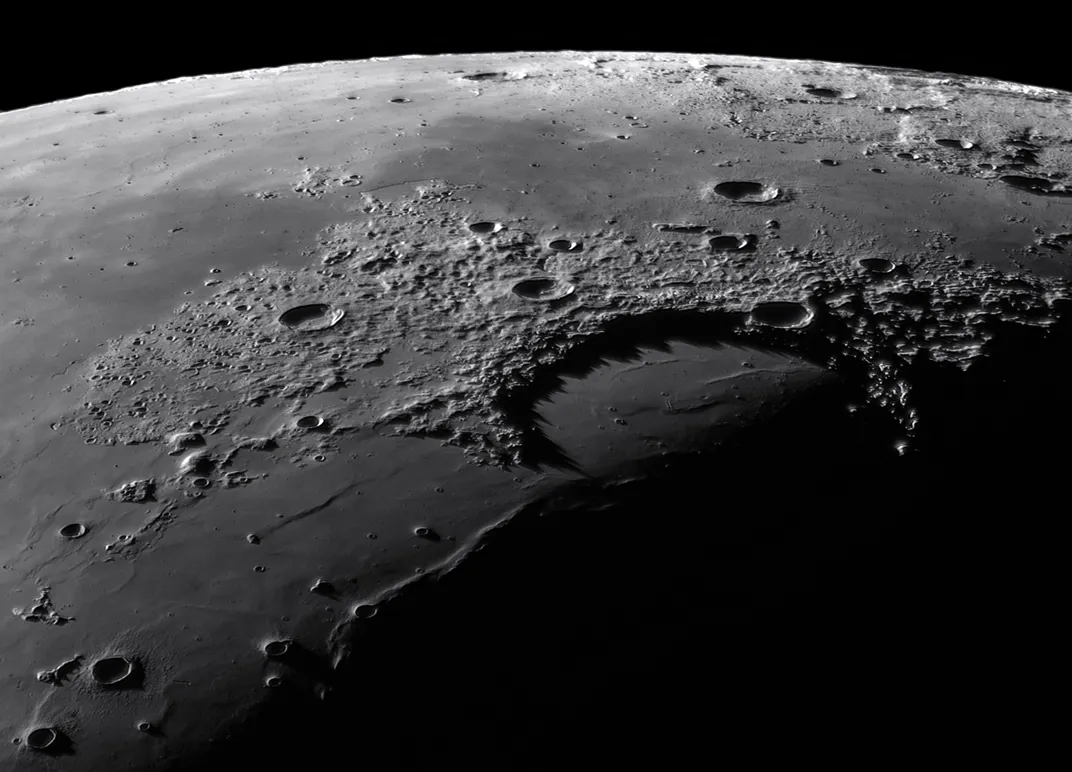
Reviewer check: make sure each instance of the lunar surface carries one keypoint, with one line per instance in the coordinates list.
(336, 397)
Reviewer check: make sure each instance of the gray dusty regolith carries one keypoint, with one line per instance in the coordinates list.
(276, 344)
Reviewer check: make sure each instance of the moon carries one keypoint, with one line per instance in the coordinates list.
(285, 350)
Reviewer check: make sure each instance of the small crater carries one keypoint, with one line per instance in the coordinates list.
(73, 531)
(399, 101)
(682, 227)
(322, 588)
(543, 289)
(42, 739)
(747, 191)
(144, 726)
(424, 532)
(482, 76)
(956, 144)
(310, 422)
(312, 316)
(828, 162)
(201, 482)
(909, 156)
(781, 314)
(732, 242)
(365, 611)
(273, 682)
(564, 245)
(485, 228)
(276, 648)
(114, 671)
(102, 112)
(829, 93)
(878, 265)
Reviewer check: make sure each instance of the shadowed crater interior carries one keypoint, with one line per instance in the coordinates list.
(115, 672)
(542, 289)
(747, 192)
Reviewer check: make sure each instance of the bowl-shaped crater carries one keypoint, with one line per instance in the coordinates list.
(311, 316)
(747, 191)
(543, 289)
(115, 672)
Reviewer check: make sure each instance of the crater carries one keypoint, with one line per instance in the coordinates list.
(651, 386)
(682, 227)
(365, 611)
(42, 739)
(829, 93)
(876, 264)
(781, 314)
(311, 317)
(956, 144)
(746, 191)
(309, 422)
(424, 532)
(114, 672)
(482, 76)
(484, 228)
(73, 531)
(1030, 184)
(276, 648)
(543, 289)
(732, 242)
(564, 245)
